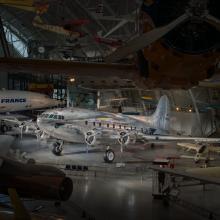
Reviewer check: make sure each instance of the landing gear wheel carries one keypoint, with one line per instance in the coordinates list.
(109, 156)
(57, 148)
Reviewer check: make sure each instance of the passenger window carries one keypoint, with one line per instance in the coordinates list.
(55, 117)
(100, 124)
(107, 125)
(86, 122)
(93, 123)
(62, 117)
(119, 126)
(113, 126)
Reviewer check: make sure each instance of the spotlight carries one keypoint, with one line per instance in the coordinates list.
(190, 110)
(72, 80)
(177, 109)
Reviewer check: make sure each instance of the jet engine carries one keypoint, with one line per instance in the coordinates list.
(34, 181)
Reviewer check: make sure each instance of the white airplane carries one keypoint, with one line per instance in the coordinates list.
(94, 127)
(14, 101)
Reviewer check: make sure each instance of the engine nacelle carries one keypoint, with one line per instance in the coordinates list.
(124, 138)
(90, 137)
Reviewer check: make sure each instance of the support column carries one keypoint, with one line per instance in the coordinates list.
(196, 110)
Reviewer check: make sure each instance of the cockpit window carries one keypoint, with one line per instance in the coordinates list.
(55, 116)
(50, 116)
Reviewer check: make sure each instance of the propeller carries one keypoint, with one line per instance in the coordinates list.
(213, 21)
(23, 128)
(144, 40)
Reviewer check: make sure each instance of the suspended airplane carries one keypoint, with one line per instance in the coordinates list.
(108, 41)
(63, 30)
(94, 127)
(178, 49)
(36, 6)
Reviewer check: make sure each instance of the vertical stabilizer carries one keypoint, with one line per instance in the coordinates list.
(161, 116)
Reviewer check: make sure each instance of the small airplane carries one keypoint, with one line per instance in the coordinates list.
(38, 7)
(108, 41)
(12, 101)
(63, 30)
(94, 127)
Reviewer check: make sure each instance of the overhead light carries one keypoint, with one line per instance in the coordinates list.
(190, 110)
(72, 79)
(177, 109)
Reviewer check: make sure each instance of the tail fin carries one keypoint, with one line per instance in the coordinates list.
(161, 116)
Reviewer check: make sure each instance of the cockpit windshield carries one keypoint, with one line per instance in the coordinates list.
(52, 116)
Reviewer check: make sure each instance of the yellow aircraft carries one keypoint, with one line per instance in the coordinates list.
(38, 7)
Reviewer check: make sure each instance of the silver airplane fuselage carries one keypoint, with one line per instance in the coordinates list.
(71, 124)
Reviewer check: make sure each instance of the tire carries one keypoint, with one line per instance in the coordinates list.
(109, 156)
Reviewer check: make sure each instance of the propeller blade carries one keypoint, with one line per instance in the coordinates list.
(144, 40)
(213, 21)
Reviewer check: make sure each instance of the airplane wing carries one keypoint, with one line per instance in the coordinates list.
(192, 146)
(188, 146)
(207, 175)
(209, 172)
(179, 138)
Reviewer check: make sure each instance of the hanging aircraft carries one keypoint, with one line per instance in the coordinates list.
(178, 49)
(186, 48)
(63, 30)
(108, 41)
(36, 6)
(94, 127)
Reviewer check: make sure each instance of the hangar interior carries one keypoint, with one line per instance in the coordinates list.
(109, 109)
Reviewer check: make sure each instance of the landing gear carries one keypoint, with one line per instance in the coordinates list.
(109, 156)
(58, 148)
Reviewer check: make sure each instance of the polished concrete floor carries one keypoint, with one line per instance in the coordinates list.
(110, 192)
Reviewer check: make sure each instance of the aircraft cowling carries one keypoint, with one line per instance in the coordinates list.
(187, 54)
(34, 181)
(193, 36)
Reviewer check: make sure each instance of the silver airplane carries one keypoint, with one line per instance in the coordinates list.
(94, 127)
